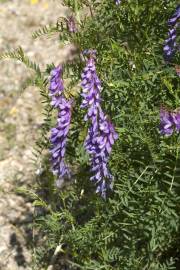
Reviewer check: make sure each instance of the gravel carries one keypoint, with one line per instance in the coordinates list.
(20, 119)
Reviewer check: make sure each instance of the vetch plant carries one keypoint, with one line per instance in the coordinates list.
(137, 226)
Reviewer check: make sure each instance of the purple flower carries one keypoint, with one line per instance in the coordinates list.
(71, 25)
(103, 142)
(169, 122)
(175, 17)
(91, 89)
(56, 83)
(166, 122)
(101, 134)
(58, 137)
(176, 120)
(117, 2)
(170, 45)
(107, 134)
(90, 52)
(98, 161)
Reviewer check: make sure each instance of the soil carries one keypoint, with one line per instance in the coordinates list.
(20, 120)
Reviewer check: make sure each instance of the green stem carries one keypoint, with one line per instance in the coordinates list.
(175, 167)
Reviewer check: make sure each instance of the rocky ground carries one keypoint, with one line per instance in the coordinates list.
(20, 119)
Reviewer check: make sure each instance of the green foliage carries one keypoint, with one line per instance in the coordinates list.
(19, 55)
(137, 227)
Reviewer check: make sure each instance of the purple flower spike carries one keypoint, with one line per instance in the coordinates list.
(107, 134)
(170, 45)
(59, 138)
(166, 122)
(71, 25)
(175, 17)
(117, 2)
(91, 89)
(101, 134)
(100, 156)
(56, 82)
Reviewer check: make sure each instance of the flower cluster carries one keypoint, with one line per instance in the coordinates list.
(56, 83)
(91, 89)
(71, 25)
(56, 86)
(169, 122)
(117, 2)
(101, 134)
(174, 19)
(58, 137)
(170, 43)
(99, 145)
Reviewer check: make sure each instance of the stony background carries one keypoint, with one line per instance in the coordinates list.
(20, 119)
